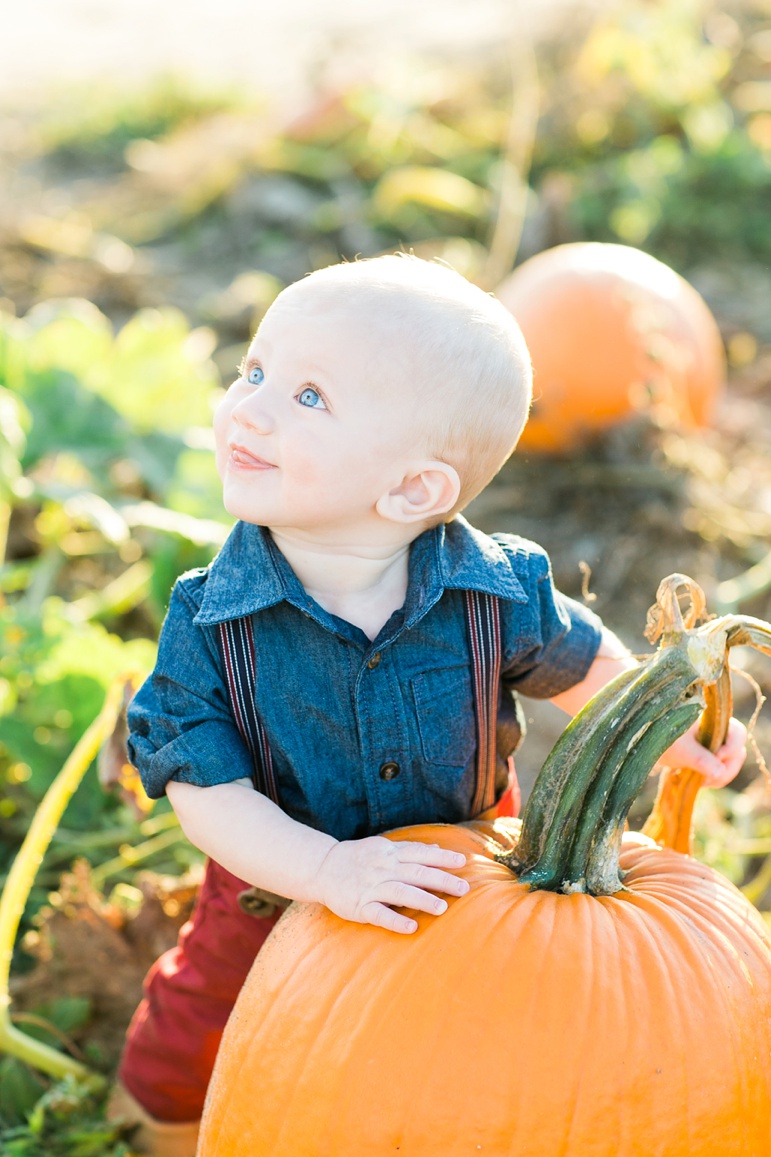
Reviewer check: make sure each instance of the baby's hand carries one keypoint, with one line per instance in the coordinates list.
(360, 879)
(718, 769)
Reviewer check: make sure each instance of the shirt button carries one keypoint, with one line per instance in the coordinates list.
(389, 771)
(373, 662)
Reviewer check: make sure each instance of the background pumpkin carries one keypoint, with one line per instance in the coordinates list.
(533, 1018)
(610, 330)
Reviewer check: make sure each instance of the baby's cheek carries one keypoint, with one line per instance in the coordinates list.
(221, 448)
(306, 466)
(309, 476)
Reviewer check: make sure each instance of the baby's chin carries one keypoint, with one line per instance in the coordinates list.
(237, 507)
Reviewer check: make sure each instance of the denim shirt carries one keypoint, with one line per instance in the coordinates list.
(338, 707)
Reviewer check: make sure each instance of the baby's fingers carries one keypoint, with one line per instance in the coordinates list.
(383, 917)
(402, 896)
(433, 855)
(433, 879)
(398, 894)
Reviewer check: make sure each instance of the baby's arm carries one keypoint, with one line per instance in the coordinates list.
(612, 658)
(359, 880)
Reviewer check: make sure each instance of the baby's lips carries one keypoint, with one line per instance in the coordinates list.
(243, 457)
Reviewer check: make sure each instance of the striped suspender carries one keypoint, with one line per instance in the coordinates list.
(237, 650)
(483, 623)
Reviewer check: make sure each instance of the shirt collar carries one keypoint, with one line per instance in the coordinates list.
(246, 577)
(250, 573)
(468, 559)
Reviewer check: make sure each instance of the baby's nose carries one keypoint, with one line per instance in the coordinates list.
(255, 413)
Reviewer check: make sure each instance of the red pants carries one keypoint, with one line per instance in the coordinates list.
(189, 992)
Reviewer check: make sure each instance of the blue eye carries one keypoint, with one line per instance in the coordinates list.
(311, 398)
(255, 376)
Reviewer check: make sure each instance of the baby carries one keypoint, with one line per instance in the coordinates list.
(355, 650)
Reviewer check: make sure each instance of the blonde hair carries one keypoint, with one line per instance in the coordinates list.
(458, 336)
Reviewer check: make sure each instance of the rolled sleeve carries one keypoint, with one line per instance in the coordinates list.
(549, 644)
(180, 726)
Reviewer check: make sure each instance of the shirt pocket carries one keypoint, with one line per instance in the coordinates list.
(444, 707)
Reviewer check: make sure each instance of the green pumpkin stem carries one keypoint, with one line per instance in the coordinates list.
(572, 825)
(581, 734)
(600, 870)
(581, 768)
(623, 760)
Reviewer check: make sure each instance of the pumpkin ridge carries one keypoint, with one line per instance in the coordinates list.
(581, 1076)
(651, 934)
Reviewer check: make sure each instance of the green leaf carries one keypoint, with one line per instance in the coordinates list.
(66, 1121)
(14, 421)
(70, 334)
(20, 1090)
(159, 376)
(437, 189)
(67, 1013)
(196, 487)
(60, 671)
(155, 456)
(68, 417)
(13, 333)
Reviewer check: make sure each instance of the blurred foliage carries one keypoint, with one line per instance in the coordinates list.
(91, 120)
(665, 119)
(66, 1120)
(654, 130)
(144, 235)
(99, 435)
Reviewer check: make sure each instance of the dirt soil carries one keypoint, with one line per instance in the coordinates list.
(86, 947)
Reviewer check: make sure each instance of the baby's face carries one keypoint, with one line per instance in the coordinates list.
(320, 422)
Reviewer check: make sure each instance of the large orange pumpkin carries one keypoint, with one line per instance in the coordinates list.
(550, 1012)
(610, 330)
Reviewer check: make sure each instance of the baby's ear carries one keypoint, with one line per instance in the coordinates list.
(431, 489)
